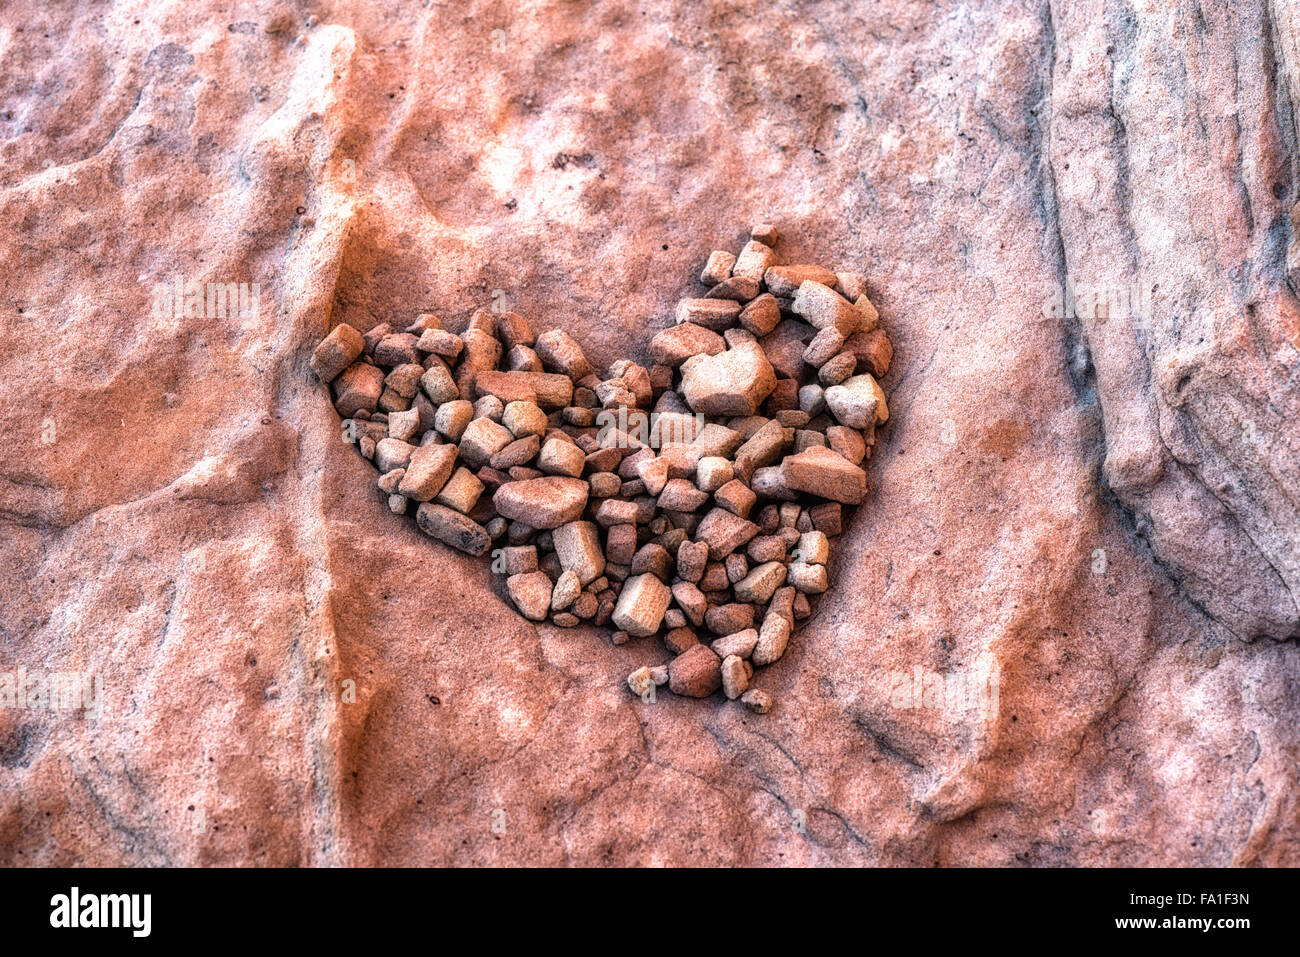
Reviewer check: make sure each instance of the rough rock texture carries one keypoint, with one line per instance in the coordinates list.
(293, 675)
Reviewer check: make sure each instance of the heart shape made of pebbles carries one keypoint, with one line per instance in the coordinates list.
(701, 493)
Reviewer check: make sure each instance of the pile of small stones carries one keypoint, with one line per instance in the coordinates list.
(700, 494)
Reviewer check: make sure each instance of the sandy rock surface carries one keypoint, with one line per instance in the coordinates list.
(1101, 512)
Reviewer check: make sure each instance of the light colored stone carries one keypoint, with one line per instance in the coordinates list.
(461, 492)
(734, 382)
(577, 544)
(531, 593)
(641, 605)
(735, 680)
(761, 582)
(858, 402)
(547, 502)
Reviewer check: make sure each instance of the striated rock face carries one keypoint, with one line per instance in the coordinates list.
(1034, 648)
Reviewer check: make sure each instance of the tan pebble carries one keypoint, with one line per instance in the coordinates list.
(641, 605)
(641, 681)
(773, 637)
(740, 643)
(734, 679)
(336, 352)
(717, 268)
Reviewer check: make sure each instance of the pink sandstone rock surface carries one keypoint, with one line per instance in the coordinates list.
(1104, 511)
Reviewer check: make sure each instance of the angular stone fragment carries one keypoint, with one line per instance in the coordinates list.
(531, 593)
(838, 368)
(513, 330)
(757, 701)
(560, 353)
(824, 346)
(826, 518)
(768, 484)
(518, 559)
(784, 281)
(813, 548)
(695, 673)
(761, 315)
(679, 640)
(724, 532)
(357, 389)
(452, 528)
(726, 619)
(737, 288)
(715, 314)
(734, 382)
(674, 345)
(394, 454)
(578, 546)
(481, 354)
(822, 306)
(641, 605)
(765, 233)
(773, 637)
(682, 496)
(402, 425)
(427, 471)
(523, 359)
(736, 498)
(846, 442)
(482, 439)
(374, 335)
(616, 511)
(640, 681)
(452, 417)
(566, 591)
(785, 345)
(489, 407)
(735, 679)
(850, 285)
(739, 643)
(561, 457)
(873, 351)
(718, 267)
(760, 584)
(441, 343)
(461, 492)
(438, 384)
(603, 484)
(516, 453)
(762, 448)
(822, 472)
(712, 472)
(802, 607)
(336, 352)
(716, 440)
(620, 544)
(542, 502)
(754, 260)
(396, 349)
(858, 402)
(737, 566)
(507, 386)
(808, 579)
